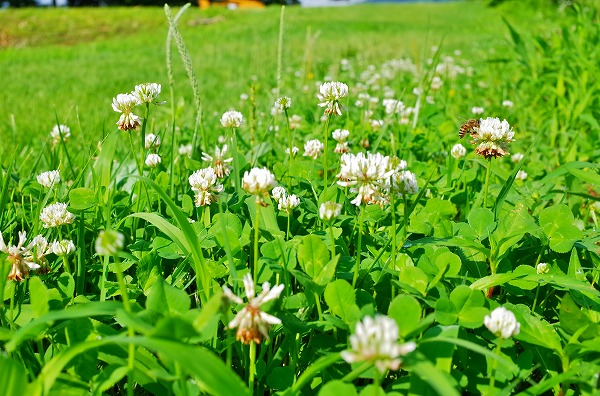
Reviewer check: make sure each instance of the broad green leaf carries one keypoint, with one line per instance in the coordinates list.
(427, 374)
(431, 215)
(573, 318)
(337, 388)
(406, 311)
(39, 296)
(444, 258)
(81, 199)
(469, 305)
(534, 330)
(231, 225)
(312, 255)
(482, 221)
(168, 299)
(108, 377)
(328, 272)
(66, 285)
(445, 311)
(492, 280)
(586, 176)
(13, 377)
(557, 223)
(415, 278)
(511, 229)
(341, 298)
(521, 281)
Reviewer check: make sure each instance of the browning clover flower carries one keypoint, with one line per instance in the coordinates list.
(366, 175)
(330, 94)
(56, 214)
(340, 136)
(219, 163)
(49, 179)
(502, 323)
(492, 137)
(252, 323)
(123, 104)
(232, 119)
(375, 340)
(22, 258)
(204, 184)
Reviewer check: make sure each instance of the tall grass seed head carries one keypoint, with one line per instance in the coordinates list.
(330, 94)
(109, 242)
(49, 179)
(55, 215)
(502, 323)
(232, 119)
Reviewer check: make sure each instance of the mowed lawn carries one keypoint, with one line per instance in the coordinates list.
(68, 64)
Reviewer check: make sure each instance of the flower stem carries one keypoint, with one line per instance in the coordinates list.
(236, 165)
(332, 240)
(256, 224)
(130, 331)
(406, 214)
(359, 245)
(326, 139)
(487, 182)
(252, 370)
(492, 389)
(143, 135)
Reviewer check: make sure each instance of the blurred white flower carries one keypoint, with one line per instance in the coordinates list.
(244, 97)
(123, 103)
(295, 151)
(375, 340)
(60, 132)
(152, 141)
(330, 94)
(516, 157)
(436, 83)
(153, 160)
(329, 210)
(55, 215)
(521, 175)
(477, 110)
(147, 93)
(313, 148)
(295, 121)
(185, 150)
(507, 103)
(340, 135)
(542, 268)
(232, 119)
(63, 248)
(502, 323)
(109, 242)
(492, 137)
(219, 163)
(204, 184)
(252, 323)
(458, 151)
(49, 179)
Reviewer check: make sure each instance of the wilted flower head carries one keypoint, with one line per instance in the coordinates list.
(49, 179)
(252, 323)
(147, 93)
(204, 184)
(63, 248)
(542, 268)
(492, 137)
(458, 151)
(258, 182)
(232, 119)
(502, 323)
(219, 163)
(393, 106)
(60, 132)
(329, 210)
(109, 242)
(123, 103)
(17, 257)
(313, 148)
(366, 175)
(56, 214)
(153, 160)
(152, 141)
(330, 94)
(375, 340)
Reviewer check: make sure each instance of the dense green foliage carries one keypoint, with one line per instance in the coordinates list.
(154, 316)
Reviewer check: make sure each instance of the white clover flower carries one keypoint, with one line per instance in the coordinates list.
(153, 160)
(63, 248)
(375, 340)
(282, 104)
(295, 121)
(295, 151)
(123, 103)
(458, 151)
(252, 323)
(507, 103)
(244, 97)
(330, 94)
(60, 132)
(49, 179)
(393, 106)
(477, 110)
(542, 268)
(185, 150)
(502, 323)
(204, 184)
(152, 141)
(340, 135)
(18, 256)
(278, 192)
(404, 182)
(516, 157)
(366, 175)
(219, 163)
(329, 210)
(521, 175)
(436, 83)
(287, 203)
(258, 182)
(109, 243)
(376, 124)
(56, 214)
(232, 119)
(492, 137)
(147, 93)
(313, 148)
(35, 256)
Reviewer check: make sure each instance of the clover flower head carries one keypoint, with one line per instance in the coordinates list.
(313, 148)
(282, 104)
(152, 141)
(147, 93)
(204, 184)
(60, 133)
(404, 182)
(109, 242)
(56, 214)
(232, 119)
(185, 150)
(492, 137)
(295, 151)
(521, 175)
(278, 192)
(329, 210)
(458, 151)
(477, 110)
(49, 179)
(340, 135)
(295, 121)
(502, 323)
(287, 203)
(123, 103)
(330, 94)
(259, 181)
(516, 157)
(63, 248)
(375, 340)
(542, 268)
(219, 163)
(252, 323)
(153, 160)
(507, 103)
(366, 174)
(20, 256)
(436, 83)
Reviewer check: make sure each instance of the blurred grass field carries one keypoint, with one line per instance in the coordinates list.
(69, 63)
